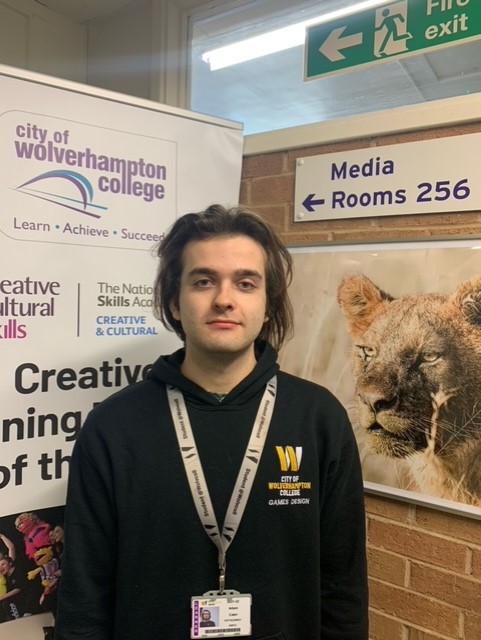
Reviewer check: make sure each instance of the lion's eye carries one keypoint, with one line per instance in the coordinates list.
(366, 353)
(430, 356)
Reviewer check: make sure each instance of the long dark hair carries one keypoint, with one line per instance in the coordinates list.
(218, 221)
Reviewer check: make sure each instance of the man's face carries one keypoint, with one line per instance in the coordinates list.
(205, 615)
(222, 300)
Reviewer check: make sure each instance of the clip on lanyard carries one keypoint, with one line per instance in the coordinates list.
(245, 478)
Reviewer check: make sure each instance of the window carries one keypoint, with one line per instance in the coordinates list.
(268, 92)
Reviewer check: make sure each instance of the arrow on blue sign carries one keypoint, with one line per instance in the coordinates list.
(309, 203)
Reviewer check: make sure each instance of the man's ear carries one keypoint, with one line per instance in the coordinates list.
(174, 310)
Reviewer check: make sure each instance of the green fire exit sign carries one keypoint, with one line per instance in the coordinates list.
(386, 32)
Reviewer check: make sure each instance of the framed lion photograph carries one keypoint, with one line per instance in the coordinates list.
(394, 331)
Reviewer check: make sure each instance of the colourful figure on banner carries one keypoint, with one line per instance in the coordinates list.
(35, 532)
(56, 540)
(13, 601)
(48, 569)
(10, 552)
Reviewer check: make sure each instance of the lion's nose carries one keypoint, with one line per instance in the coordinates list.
(378, 402)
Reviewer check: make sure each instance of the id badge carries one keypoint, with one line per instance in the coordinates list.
(221, 616)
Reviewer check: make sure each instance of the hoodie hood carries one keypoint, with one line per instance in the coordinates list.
(166, 370)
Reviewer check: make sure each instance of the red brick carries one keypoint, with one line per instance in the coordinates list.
(272, 190)
(392, 509)
(472, 627)
(435, 220)
(476, 564)
(386, 566)
(450, 524)
(245, 192)
(417, 544)
(430, 134)
(325, 225)
(459, 591)
(270, 164)
(418, 634)
(419, 610)
(307, 237)
(275, 215)
(382, 627)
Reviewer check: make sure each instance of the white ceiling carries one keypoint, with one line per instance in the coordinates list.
(84, 10)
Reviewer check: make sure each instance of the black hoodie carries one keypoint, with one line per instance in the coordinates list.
(135, 550)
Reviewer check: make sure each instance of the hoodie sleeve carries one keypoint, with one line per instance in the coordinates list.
(344, 592)
(87, 585)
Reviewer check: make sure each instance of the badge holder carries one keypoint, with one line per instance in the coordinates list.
(221, 614)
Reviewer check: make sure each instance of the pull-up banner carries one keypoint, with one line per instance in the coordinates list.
(90, 182)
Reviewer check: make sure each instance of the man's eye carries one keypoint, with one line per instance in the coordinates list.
(246, 286)
(202, 283)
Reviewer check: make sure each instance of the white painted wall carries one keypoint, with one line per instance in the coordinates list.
(33, 37)
(120, 50)
(138, 49)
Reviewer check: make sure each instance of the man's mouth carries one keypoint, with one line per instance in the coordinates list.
(222, 322)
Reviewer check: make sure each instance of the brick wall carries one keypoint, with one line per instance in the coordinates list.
(424, 564)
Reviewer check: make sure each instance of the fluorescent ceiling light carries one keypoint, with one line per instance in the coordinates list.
(278, 40)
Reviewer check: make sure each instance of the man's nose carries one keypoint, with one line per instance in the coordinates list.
(224, 298)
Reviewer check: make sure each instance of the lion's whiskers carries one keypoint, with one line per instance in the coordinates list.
(447, 432)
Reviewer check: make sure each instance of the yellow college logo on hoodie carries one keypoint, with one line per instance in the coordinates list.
(289, 458)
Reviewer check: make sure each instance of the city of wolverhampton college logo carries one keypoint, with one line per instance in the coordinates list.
(289, 488)
(289, 458)
(56, 188)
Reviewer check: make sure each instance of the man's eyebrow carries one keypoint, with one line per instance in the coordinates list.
(205, 271)
(201, 271)
(251, 273)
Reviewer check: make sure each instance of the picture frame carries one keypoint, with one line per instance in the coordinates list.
(420, 277)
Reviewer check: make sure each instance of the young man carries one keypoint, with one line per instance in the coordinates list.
(218, 473)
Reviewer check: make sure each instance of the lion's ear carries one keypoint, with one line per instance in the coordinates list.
(467, 297)
(360, 301)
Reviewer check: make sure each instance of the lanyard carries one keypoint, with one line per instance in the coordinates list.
(245, 479)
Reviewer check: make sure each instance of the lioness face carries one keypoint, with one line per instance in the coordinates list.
(416, 367)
